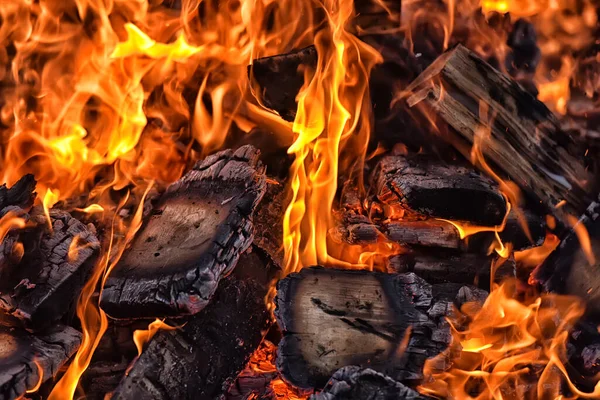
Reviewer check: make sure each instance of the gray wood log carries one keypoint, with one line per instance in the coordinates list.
(202, 359)
(332, 318)
(25, 355)
(39, 289)
(438, 190)
(525, 141)
(193, 238)
(354, 383)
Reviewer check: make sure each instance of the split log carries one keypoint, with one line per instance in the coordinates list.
(56, 262)
(28, 360)
(571, 269)
(438, 190)
(354, 383)
(332, 318)
(268, 221)
(202, 358)
(463, 268)
(524, 141)
(194, 237)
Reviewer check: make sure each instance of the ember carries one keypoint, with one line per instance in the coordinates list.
(290, 199)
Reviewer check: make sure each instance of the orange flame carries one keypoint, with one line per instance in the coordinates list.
(40, 371)
(10, 221)
(143, 336)
(509, 346)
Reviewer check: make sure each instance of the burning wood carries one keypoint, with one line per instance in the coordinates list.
(489, 110)
(194, 236)
(354, 383)
(203, 357)
(39, 288)
(332, 318)
(28, 360)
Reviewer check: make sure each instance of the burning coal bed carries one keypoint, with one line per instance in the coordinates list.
(336, 200)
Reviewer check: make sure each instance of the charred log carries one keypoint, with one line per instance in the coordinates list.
(463, 268)
(354, 383)
(332, 318)
(438, 190)
(525, 141)
(201, 359)
(40, 288)
(268, 222)
(21, 194)
(193, 238)
(31, 359)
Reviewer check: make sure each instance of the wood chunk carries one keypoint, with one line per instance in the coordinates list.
(193, 238)
(268, 222)
(21, 194)
(201, 359)
(463, 268)
(568, 269)
(427, 233)
(439, 190)
(39, 289)
(25, 355)
(332, 318)
(354, 383)
(525, 141)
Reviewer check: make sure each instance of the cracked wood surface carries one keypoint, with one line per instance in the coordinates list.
(193, 237)
(23, 356)
(331, 318)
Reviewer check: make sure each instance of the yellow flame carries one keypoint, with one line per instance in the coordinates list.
(143, 336)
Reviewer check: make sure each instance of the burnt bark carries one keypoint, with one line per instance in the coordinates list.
(524, 140)
(354, 383)
(202, 358)
(463, 268)
(332, 318)
(39, 289)
(430, 188)
(28, 359)
(193, 238)
(21, 194)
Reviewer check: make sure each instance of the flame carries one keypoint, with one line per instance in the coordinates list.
(584, 238)
(50, 199)
(10, 221)
(330, 106)
(143, 336)
(40, 371)
(536, 255)
(514, 343)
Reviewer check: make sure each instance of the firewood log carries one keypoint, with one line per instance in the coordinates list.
(332, 318)
(463, 268)
(21, 194)
(354, 383)
(524, 139)
(268, 221)
(202, 358)
(39, 289)
(438, 190)
(194, 237)
(29, 359)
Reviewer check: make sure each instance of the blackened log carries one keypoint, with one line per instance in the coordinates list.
(25, 357)
(463, 268)
(439, 190)
(102, 377)
(355, 383)
(40, 288)
(201, 359)
(524, 140)
(332, 318)
(268, 221)
(193, 238)
(569, 269)
(21, 194)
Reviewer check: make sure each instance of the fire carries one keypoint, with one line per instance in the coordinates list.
(330, 106)
(10, 221)
(143, 336)
(513, 346)
(40, 371)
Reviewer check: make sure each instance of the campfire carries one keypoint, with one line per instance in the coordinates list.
(325, 200)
